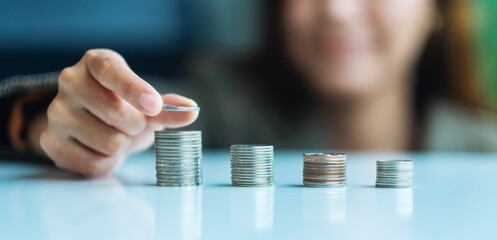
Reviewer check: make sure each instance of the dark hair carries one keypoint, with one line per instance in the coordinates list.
(446, 67)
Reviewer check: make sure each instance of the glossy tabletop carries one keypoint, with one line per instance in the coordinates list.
(454, 197)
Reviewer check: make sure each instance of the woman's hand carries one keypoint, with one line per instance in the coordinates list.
(102, 112)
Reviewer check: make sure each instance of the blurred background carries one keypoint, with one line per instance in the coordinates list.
(156, 36)
(153, 35)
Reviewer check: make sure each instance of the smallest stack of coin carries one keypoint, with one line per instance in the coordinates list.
(325, 169)
(394, 173)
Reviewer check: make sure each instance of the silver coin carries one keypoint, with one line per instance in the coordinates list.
(197, 182)
(167, 164)
(255, 160)
(319, 178)
(184, 179)
(324, 155)
(179, 180)
(252, 176)
(324, 185)
(177, 142)
(182, 132)
(192, 180)
(178, 176)
(394, 185)
(177, 168)
(393, 179)
(337, 175)
(179, 148)
(180, 161)
(178, 184)
(251, 171)
(251, 182)
(325, 165)
(165, 157)
(317, 160)
(325, 168)
(252, 165)
(178, 155)
(252, 156)
(164, 142)
(252, 185)
(395, 161)
(242, 183)
(167, 152)
(251, 146)
(171, 107)
(322, 162)
(403, 166)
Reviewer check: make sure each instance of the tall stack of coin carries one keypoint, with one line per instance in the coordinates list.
(252, 165)
(394, 173)
(178, 158)
(324, 169)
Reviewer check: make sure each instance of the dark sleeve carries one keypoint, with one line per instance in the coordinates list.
(14, 88)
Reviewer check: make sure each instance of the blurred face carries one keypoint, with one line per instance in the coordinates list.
(352, 48)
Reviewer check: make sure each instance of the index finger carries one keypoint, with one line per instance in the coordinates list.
(111, 71)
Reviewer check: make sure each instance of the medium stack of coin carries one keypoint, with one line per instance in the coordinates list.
(324, 169)
(252, 165)
(178, 158)
(394, 173)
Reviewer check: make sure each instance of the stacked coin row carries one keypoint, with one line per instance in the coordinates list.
(178, 158)
(252, 165)
(325, 169)
(394, 173)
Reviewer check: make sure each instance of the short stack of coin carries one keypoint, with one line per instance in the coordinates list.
(178, 158)
(252, 165)
(325, 169)
(394, 173)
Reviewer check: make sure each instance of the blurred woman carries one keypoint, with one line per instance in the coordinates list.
(357, 75)
(347, 75)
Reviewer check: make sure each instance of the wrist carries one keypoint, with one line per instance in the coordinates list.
(27, 120)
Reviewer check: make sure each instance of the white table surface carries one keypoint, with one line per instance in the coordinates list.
(454, 197)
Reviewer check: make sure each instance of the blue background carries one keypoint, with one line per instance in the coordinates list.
(153, 35)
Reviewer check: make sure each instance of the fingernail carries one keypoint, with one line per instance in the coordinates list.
(147, 101)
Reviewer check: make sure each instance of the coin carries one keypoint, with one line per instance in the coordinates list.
(172, 107)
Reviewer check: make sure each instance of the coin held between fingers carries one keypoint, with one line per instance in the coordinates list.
(177, 108)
